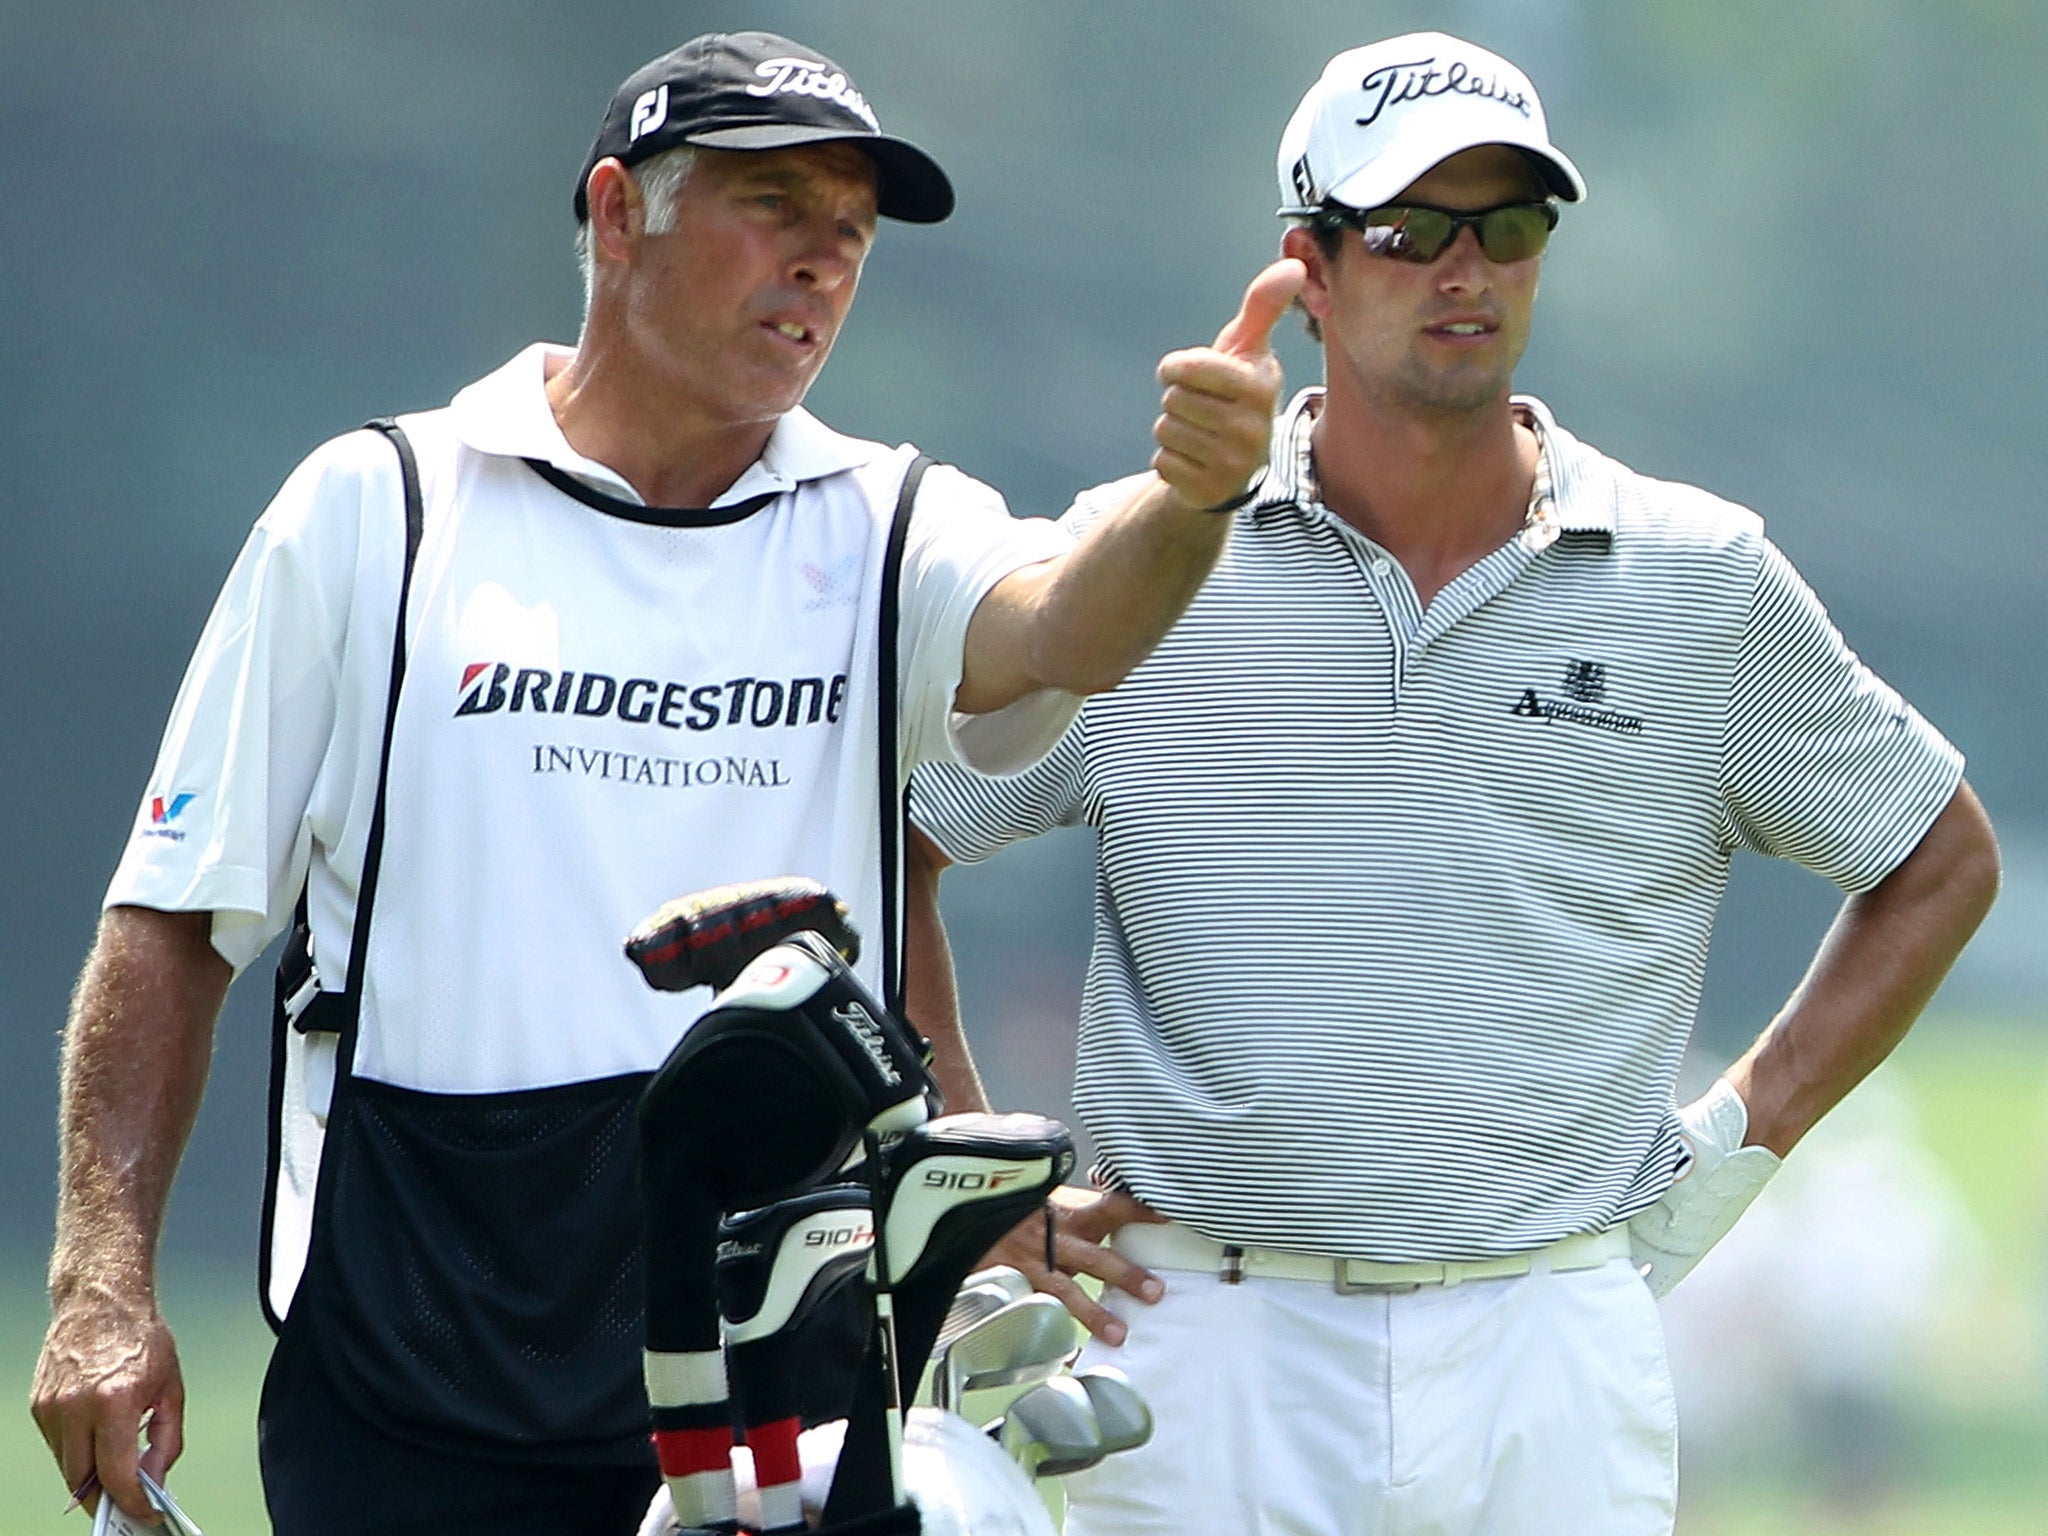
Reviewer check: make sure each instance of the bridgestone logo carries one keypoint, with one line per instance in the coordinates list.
(764, 703)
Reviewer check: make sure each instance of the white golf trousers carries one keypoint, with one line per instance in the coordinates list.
(1534, 1406)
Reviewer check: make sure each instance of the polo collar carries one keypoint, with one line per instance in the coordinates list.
(1581, 500)
(506, 414)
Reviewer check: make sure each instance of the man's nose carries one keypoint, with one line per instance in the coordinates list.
(1464, 267)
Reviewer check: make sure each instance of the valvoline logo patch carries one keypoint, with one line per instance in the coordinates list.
(165, 809)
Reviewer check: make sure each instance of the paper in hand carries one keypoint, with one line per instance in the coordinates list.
(108, 1520)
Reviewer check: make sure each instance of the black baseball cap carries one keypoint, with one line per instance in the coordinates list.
(754, 90)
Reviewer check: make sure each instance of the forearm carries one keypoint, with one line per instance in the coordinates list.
(931, 993)
(1881, 961)
(1117, 594)
(134, 1067)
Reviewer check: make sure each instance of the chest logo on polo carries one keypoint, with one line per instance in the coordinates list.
(1585, 681)
(1584, 685)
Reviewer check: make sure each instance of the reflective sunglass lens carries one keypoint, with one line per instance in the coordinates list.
(1420, 235)
(1408, 234)
(1515, 234)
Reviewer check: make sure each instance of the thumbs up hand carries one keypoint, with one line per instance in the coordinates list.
(1216, 415)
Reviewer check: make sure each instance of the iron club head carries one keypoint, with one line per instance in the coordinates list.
(1050, 1426)
(1025, 1341)
(1122, 1415)
(985, 1291)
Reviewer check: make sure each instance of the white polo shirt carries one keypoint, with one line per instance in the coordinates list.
(606, 705)
(1402, 913)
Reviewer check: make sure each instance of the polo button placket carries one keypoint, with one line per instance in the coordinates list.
(1395, 596)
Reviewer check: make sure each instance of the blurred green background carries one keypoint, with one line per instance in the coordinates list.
(1807, 277)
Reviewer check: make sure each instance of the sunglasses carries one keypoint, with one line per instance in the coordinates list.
(1419, 233)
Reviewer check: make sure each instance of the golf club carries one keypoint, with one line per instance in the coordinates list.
(1026, 1341)
(764, 1096)
(984, 1291)
(1050, 1425)
(1123, 1419)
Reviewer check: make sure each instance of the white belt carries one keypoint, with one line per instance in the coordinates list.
(1173, 1246)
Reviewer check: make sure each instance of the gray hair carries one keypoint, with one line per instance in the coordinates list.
(661, 178)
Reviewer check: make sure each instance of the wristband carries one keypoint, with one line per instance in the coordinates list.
(1242, 499)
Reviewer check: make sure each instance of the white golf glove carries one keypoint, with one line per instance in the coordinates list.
(1719, 1179)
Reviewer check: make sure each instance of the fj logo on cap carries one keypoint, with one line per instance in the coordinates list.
(1304, 181)
(649, 113)
(806, 77)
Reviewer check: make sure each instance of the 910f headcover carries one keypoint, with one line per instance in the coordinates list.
(767, 1095)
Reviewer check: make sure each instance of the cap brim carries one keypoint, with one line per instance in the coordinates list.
(1386, 177)
(909, 184)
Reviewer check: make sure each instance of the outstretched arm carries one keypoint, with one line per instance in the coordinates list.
(136, 1051)
(1082, 622)
(1875, 971)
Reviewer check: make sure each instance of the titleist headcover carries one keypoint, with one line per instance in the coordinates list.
(795, 1309)
(765, 1096)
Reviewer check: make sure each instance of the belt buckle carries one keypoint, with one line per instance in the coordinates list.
(1346, 1286)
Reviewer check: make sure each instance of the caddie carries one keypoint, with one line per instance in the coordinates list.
(1412, 833)
(621, 620)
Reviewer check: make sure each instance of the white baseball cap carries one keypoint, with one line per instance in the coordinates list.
(1384, 114)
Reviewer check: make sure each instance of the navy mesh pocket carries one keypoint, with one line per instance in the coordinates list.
(476, 1269)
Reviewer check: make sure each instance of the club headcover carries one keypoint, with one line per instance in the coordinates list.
(765, 1096)
(707, 938)
(770, 1091)
(795, 1304)
(951, 1188)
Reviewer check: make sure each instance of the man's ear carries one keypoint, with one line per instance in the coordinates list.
(1301, 243)
(618, 211)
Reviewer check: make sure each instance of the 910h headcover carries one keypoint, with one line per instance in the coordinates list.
(765, 1096)
(793, 1297)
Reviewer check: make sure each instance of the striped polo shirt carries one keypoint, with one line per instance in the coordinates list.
(1402, 912)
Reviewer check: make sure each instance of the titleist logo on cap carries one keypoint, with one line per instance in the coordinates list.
(1392, 84)
(806, 77)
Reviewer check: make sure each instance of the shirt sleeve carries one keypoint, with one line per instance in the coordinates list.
(972, 815)
(962, 541)
(222, 824)
(1825, 764)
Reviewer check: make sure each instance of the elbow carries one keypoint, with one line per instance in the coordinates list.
(1979, 875)
(1967, 867)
